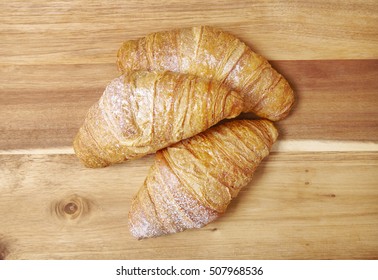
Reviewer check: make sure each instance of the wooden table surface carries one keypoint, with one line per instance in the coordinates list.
(314, 197)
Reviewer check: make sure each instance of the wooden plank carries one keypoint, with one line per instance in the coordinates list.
(45, 105)
(315, 197)
(336, 99)
(299, 206)
(82, 32)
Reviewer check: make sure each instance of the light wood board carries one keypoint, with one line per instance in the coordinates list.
(314, 197)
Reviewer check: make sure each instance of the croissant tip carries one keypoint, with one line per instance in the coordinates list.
(268, 129)
(286, 94)
(271, 130)
(86, 157)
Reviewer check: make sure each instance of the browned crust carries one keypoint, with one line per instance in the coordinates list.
(192, 182)
(213, 54)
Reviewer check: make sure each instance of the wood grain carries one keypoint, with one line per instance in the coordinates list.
(86, 32)
(315, 197)
(299, 205)
(335, 100)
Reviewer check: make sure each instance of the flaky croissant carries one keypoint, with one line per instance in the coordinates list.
(144, 111)
(192, 182)
(214, 54)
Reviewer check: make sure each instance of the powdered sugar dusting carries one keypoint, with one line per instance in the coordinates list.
(112, 102)
(176, 206)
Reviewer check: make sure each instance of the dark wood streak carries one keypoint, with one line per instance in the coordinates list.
(335, 100)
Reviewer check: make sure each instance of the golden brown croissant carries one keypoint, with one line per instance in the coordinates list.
(192, 182)
(143, 112)
(214, 54)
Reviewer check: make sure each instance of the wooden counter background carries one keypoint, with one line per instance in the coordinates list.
(315, 197)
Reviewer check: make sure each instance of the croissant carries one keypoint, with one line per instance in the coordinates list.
(192, 182)
(214, 54)
(144, 111)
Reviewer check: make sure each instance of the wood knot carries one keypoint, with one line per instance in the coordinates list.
(3, 251)
(329, 195)
(71, 208)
